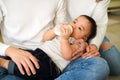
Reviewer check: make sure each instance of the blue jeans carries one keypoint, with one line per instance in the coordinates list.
(94, 68)
(5, 76)
(112, 56)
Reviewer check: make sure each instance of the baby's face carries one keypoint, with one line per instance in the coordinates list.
(81, 28)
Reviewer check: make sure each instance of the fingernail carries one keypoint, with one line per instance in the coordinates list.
(23, 73)
(34, 72)
(38, 67)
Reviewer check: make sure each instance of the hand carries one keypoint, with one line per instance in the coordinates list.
(23, 59)
(91, 51)
(81, 44)
(65, 33)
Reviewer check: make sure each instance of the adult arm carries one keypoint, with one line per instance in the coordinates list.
(20, 57)
(101, 18)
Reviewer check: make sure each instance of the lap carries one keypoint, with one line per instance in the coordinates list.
(94, 68)
(5, 76)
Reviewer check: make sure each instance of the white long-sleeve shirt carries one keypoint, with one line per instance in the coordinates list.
(23, 22)
(98, 11)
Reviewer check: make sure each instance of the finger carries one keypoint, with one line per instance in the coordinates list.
(20, 68)
(76, 41)
(31, 66)
(26, 67)
(35, 61)
(87, 49)
(76, 52)
(97, 54)
(88, 54)
(76, 56)
(62, 30)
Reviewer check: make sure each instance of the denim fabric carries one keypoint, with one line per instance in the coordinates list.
(11, 77)
(4, 73)
(5, 76)
(112, 56)
(94, 68)
(106, 39)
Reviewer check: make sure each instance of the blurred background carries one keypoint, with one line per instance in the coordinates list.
(113, 30)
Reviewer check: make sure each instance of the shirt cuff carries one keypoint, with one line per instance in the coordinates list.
(3, 48)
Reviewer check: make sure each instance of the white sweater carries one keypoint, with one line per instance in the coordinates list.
(98, 11)
(23, 22)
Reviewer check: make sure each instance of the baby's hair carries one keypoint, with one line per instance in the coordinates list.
(93, 29)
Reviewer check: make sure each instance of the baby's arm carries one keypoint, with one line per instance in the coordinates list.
(49, 35)
(71, 51)
(67, 49)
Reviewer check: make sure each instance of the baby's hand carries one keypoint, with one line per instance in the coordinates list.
(65, 31)
(81, 46)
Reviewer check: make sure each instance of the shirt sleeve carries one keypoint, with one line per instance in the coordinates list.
(3, 47)
(60, 12)
(1, 15)
(101, 18)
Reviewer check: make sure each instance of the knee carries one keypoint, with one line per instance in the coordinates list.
(100, 65)
(105, 46)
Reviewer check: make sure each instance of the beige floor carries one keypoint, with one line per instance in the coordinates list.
(113, 33)
(113, 30)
